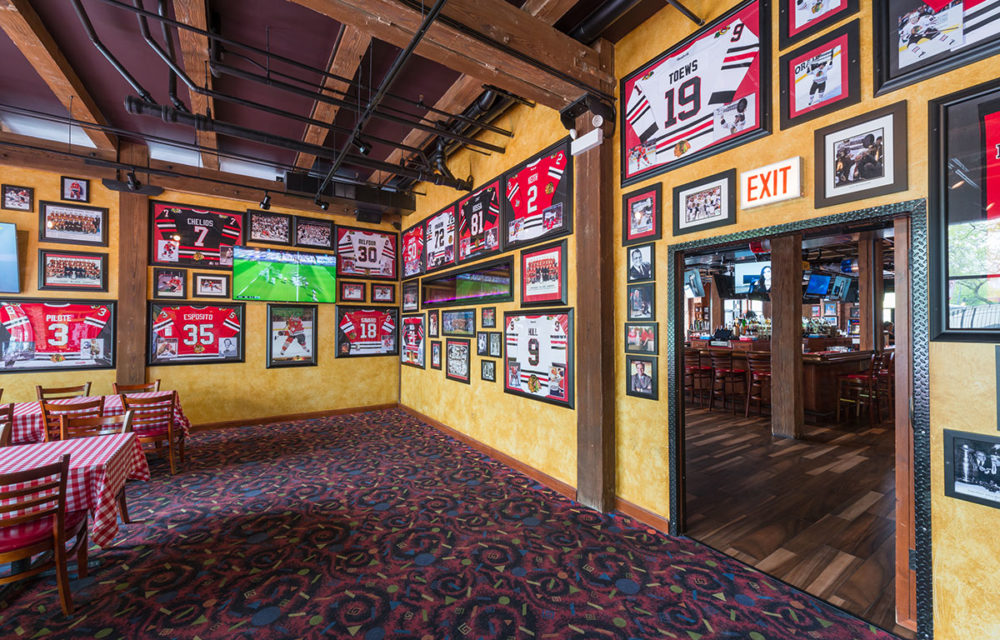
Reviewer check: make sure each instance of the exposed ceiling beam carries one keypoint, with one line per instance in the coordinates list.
(22, 25)
(194, 54)
(347, 55)
(571, 65)
(548, 11)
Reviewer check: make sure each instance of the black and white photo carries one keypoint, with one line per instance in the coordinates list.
(482, 343)
(496, 344)
(641, 301)
(457, 359)
(641, 262)
(972, 467)
(489, 370)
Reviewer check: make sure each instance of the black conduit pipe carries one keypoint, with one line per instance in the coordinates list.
(600, 19)
(172, 78)
(89, 28)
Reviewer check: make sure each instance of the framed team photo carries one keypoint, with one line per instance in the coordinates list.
(709, 93)
(210, 285)
(457, 360)
(801, 19)
(642, 301)
(496, 344)
(706, 203)
(432, 323)
(291, 330)
(862, 157)
(641, 262)
(483, 343)
(413, 251)
(411, 296)
(479, 223)
(72, 224)
(538, 362)
(413, 339)
(17, 198)
(362, 253)
(972, 467)
(313, 232)
(538, 198)
(642, 215)
(915, 40)
(182, 333)
(458, 322)
(642, 380)
(75, 189)
(488, 370)
(821, 76)
(352, 291)
(72, 271)
(185, 236)
(169, 283)
(269, 228)
(436, 354)
(56, 335)
(366, 332)
(543, 275)
(641, 337)
(439, 240)
(383, 293)
(488, 317)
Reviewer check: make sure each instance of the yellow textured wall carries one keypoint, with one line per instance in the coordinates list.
(539, 434)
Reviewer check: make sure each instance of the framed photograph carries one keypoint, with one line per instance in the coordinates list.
(829, 308)
(798, 20)
(915, 40)
(439, 240)
(362, 253)
(188, 334)
(709, 93)
(855, 312)
(543, 275)
(488, 370)
(72, 271)
(538, 362)
(269, 228)
(458, 322)
(861, 157)
(538, 198)
(972, 467)
(817, 311)
(642, 215)
(55, 335)
(962, 223)
(432, 323)
(367, 332)
(75, 189)
(210, 285)
(479, 223)
(436, 354)
(642, 338)
(184, 236)
(383, 293)
(411, 296)
(352, 291)
(641, 262)
(412, 353)
(483, 343)
(488, 317)
(72, 224)
(706, 203)
(313, 232)
(169, 283)
(496, 344)
(17, 198)
(642, 301)
(821, 77)
(457, 359)
(413, 251)
(291, 330)
(642, 379)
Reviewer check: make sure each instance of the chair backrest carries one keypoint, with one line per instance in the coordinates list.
(692, 358)
(34, 495)
(758, 362)
(706, 358)
(722, 359)
(6, 424)
(72, 427)
(152, 413)
(136, 388)
(51, 412)
(57, 393)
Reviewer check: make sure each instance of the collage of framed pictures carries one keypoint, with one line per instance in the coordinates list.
(72, 224)
(17, 198)
(383, 293)
(210, 285)
(269, 228)
(313, 232)
(642, 215)
(351, 291)
(436, 354)
(458, 322)
(457, 359)
(55, 335)
(543, 275)
(291, 330)
(183, 236)
(800, 20)
(706, 203)
(538, 360)
(538, 198)
(439, 240)
(362, 253)
(367, 331)
(642, 377)
(169, 283)
(413, 251)
(413, 338)
(821, 77)
(72, 271)
(75, 189)
(411, 296)
(189, 334)
(479, 223)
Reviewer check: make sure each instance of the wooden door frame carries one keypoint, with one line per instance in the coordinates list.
(915, 421)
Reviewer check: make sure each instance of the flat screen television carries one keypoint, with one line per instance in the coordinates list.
(693, 286)
(752, 277)
(724, 285)
(817, 286)
(10, 273)
(838, 290)
(284, 276)
(490, 282)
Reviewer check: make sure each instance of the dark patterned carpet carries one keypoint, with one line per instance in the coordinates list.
(375, 526)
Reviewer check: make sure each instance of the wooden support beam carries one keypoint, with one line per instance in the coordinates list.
(24, 27)
(194, 55)
(548, 11)
(133, 222)
(347, 55)
(870, 288)
(787, 408)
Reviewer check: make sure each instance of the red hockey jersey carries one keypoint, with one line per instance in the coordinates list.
(530, 192)
(198, 330)
(57, 330)
(370, 331)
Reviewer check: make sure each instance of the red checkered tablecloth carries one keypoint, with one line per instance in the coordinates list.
(28, 428)
(98, 468)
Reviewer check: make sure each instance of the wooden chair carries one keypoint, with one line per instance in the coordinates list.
(759, 366)
(120, 389)
(153, 422)
(45, 527)
(885, 382)
(727, 382)
(71, 426)
(58, 393)
(51, 412)
(697, 376)
(6, 424)
(861, 389)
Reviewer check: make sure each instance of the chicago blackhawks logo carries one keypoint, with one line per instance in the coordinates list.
(549, 189)
(533, 384)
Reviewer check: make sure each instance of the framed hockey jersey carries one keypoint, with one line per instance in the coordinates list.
(48, 335)
(439, 240)
(362, 331)
(538, 198)
(413, 337)
(709, 93)
(479, 223)
(189, 334)
(538, 360)
(413, 251)
(366, 253)
(183, 236)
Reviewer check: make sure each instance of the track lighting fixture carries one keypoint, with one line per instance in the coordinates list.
(132, 182)
(265, 204)
(363, 147)
(322, 204)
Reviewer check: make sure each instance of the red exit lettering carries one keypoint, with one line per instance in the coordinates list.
(768, 183)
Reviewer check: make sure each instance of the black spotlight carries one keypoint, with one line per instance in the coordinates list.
(363, 147)
(132, 182)
(323, 204)
(265, 204)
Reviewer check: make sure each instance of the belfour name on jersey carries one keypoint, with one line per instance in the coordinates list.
(201, 222)
(684, 71)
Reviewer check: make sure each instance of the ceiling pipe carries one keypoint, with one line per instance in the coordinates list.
(172, 78)
(607, 13)
(89, 28)
(174, 69)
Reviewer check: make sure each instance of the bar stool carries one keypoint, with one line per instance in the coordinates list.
(759, 366)
(885, 382)
(727, 382)
(861, 388)
(697, 376)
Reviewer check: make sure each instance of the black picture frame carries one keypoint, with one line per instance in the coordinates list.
(347, 245)
(633, 339)
(70, 264)
(99, 323)
(496, 344)
(641, 298)
(535, 265)
(631, 380)
(412, 242)
(165, 281)
(162, 322)
(310, 232)
(846, 135)
(676, 154)
(492, 221)
(969, 467)
(541, 378)
(74, 189)
(308, 342)
(12, 198)
(458, 322)
(436, 354)
(257, 232)
(554, 218)
(434, 287)
(488, 370)
(482, 343)
(488, 317)
(644, 267)
(717, 192)
(814, 55)
(351, 292)
(411, 296)
(458, 358)
(213, 252)
(197, 286)
(349, 344)
(433, 323)
(58, 222)
(636, 201)
(382, 293)
(889, 76)
(789, 33)
(413, 341)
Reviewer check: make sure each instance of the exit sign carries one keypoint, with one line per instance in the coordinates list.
(770, 184)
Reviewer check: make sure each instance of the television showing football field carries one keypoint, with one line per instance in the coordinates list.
(283, 276)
